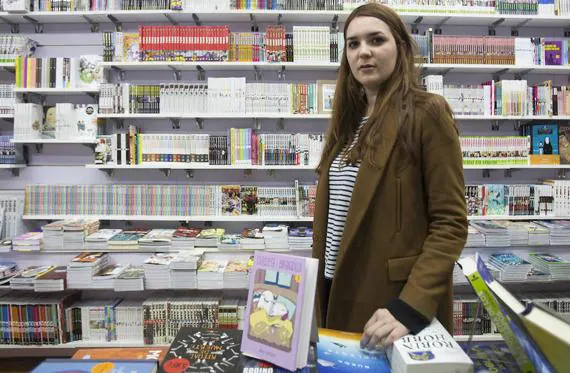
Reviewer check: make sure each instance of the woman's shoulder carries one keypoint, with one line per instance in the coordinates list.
(433, 113)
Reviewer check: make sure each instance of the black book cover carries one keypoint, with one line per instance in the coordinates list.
(203, 350)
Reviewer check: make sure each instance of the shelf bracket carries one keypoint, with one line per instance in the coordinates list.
(280, 124)
(38, 27)
(118, 25)
(561, 173)
(108, 171)
(519, 25)
(279, 19)
(257, 72)
(94, 25)
(497, 74)
(208, 224)
(517, 125)
(90, 146)
(175, 122)
(567, 32)
(514, 31)
(177, 73)
(189, 174)
(39, 148)
(486, 174)
(253, 21)
(201, 73)
(166, 171)
(257, 123)
(444, 72)
(494, 25)
(334, 22)
(415, 24)
(438, 26)
(14, 27)
(281, 73)
(495, 125)
(508, 173)
(200, 123)
(15, 172)
(120, 72)
(171, 20)
(247, 172)
(271, 173)
(196, 19)
(519, 75)
(119, 123)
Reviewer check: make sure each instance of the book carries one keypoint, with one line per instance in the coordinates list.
(139, 353)
(544, 144)
(490, 356)
(529, 357)
(431, 350)
(279, 309)
(203, 350)
(339, 351)
(108, 366)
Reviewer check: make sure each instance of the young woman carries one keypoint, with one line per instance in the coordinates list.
(390, 216)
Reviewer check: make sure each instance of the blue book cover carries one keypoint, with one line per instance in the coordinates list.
(490, 356)
(100, 366)
(545, 139)
(340, 352)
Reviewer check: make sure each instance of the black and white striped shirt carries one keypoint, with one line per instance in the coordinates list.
(342, 177)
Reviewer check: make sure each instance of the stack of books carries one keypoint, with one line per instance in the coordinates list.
(131, 279)
(99, 241)
(236, 275)
(184, 238)
(183, 269)
(54, 280)
(82, 268)
(157, 271)
(211, 274)
(557, 267)
(105, 278)
(157, 239)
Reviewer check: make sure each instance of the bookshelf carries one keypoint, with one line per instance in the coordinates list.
(143, 72)
(52, 141)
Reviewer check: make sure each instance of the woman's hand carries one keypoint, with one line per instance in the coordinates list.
(382, 330)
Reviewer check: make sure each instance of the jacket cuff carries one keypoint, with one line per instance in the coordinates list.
(407, 315)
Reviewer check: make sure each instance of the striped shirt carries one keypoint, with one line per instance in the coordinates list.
(341, 183)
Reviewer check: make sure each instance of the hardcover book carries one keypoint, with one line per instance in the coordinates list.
(544, 144)
(141, 353)
(107, 366)
(279, 309)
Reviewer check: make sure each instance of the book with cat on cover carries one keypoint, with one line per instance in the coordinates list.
(339, 351)
(203, 350)
(138, 353)
(433, 350)
(279, 311)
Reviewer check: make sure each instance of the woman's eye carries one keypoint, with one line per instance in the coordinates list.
(377, 41)
(352, 44)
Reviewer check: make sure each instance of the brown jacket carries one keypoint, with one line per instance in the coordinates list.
(406, 226)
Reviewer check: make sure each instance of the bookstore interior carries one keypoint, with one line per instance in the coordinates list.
(157, 185)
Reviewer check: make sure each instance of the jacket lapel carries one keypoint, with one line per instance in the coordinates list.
(366, 183)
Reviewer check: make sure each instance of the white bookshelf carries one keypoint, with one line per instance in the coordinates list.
(215, 116)
(188, 166)
(12, 166)
(511, 117)
(434, 68)
(155, 250)
(313, 16)
(516, 217)
(518, 167)
(52, 141)
(57, 91)
(196, 218)
(6, 116)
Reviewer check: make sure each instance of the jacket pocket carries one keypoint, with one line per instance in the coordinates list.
(399, 268)
(398, 205)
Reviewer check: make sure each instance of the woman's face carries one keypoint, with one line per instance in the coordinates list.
(371, 51)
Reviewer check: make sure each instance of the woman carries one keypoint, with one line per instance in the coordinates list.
(390, 217)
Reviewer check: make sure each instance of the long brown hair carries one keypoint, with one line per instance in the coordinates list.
(399, 92)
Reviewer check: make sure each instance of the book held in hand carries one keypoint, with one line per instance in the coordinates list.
(433, 350)
(279, 309)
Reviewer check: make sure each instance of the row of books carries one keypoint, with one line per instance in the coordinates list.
(492, 233)
(64, 121)
(447, 6)
(504, 97)
(55, 318)
(239, 147)
(11, 210)
(218, 43)
(7, 99)
(170, 200)
(9, 153)
(83, 234)
(59, 72)
(218, 95)
(14, 45)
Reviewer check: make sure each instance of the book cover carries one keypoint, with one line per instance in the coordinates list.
(431, 350)
(279, 309)
(564, 143)
(490, 356)
(544, 148)
(553, 52)
(339, 351)
(90, 71)
(231, 200)
(203, 350)
(139, 353)
(100, 366)
(87, 258)
(128, 237)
